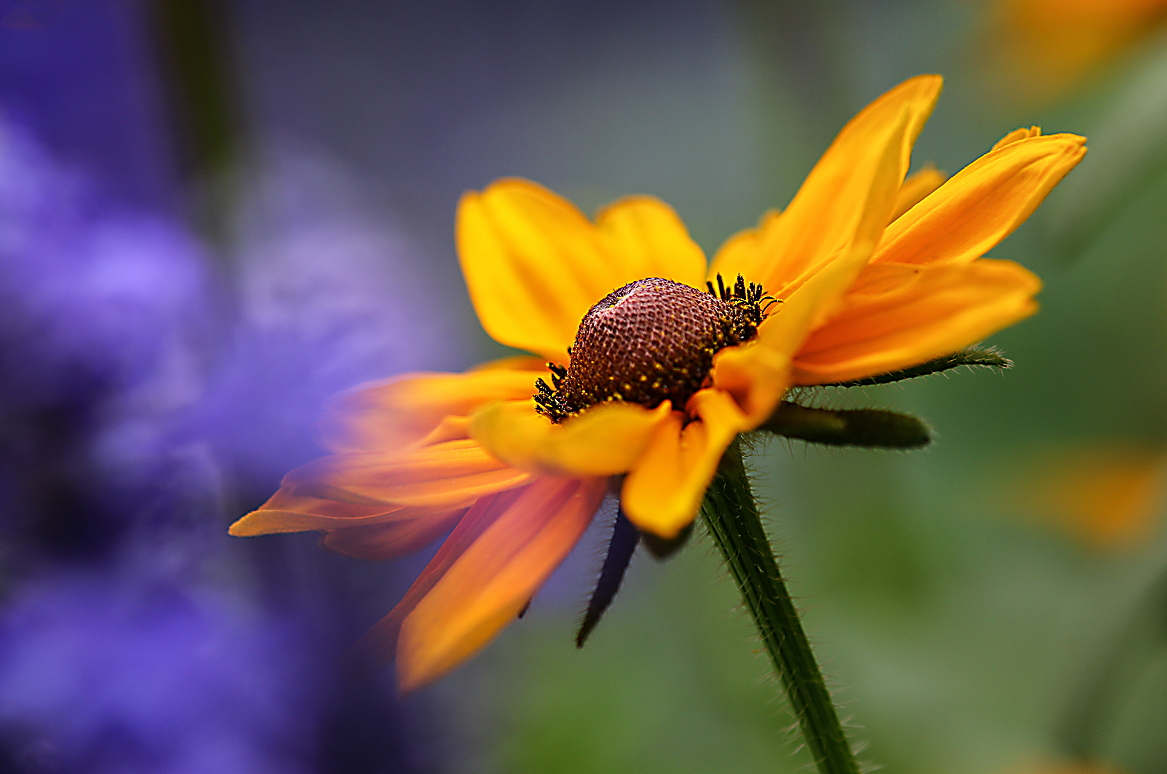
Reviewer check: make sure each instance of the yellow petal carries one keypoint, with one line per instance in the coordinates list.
(533, 264)
(925, 313)
(916, 187)
(604, 440)
(378, 542)
(983, 203)
(742, 252)
(651, 241)
(758, 373)
(1017, 135)
(448, 475)
(400, 412)
(663, 492)
(496, 576)
(823, 217)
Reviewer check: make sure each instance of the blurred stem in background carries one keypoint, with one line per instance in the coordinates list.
(1128, 157)
(195, 57)
(731, 514)
(1097, 702)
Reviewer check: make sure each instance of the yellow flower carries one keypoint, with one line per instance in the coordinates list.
(873, 273)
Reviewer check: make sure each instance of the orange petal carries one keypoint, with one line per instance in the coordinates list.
(604, 440)
(290, 511)
(924, 313)
(533, 264)
(663, 492)
(651, 241)
(378, 542)
(824, 215)
(487, 586)
(447, 475)
(394, 414)
(916, 187)
(378, 646)
(983, 203)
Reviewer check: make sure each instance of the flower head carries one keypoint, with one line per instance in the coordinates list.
(648, 366)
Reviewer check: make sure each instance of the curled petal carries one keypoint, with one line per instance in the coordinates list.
(494, 578)
(651, 241)
(1017, 135)
(983, 203)
(663, 492)
(409, 410)
(604, 440)
(923, 313)
(755, 376)
(533, 264)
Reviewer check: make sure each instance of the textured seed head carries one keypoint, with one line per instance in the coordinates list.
(649, 341)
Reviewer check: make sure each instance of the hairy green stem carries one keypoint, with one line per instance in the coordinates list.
(732, 517)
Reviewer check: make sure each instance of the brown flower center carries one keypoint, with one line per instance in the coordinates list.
(650, 341)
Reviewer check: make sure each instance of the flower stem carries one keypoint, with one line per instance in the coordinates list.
(732, 517)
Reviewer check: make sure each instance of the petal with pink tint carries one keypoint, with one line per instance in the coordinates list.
(378, 542)
(447, 475)
(494, 578)
(401, 412)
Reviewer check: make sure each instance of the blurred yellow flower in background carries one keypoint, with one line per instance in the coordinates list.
(1045, 46)
(1105, 495)
(871, 273)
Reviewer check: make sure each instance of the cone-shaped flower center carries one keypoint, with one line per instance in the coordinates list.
(650, 341)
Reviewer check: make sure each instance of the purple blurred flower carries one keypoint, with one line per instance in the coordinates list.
(329, 298)
(91, 298)
(127, 674)
(103, 317)
(151, 388)
(130, 394)
(81, 75)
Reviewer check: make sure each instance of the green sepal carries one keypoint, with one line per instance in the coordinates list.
(987, 357)
(848, 427)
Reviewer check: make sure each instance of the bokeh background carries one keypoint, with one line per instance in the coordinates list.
(214, 214)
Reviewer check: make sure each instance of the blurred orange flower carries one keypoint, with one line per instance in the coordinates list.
(873, 274)
(1106, 496)
(1045, 46)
